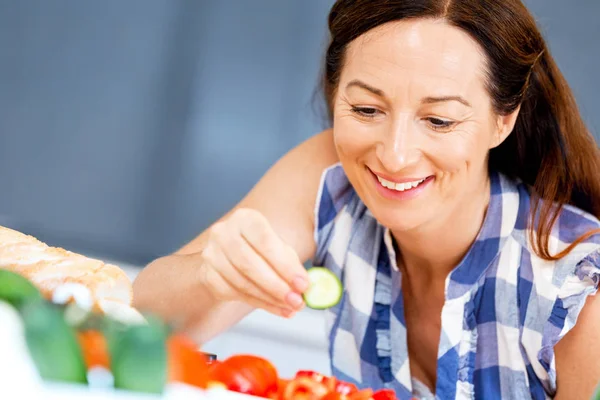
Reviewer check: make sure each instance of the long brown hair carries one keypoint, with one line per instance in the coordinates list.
(550, 148)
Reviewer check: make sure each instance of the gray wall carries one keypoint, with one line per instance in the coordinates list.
(126, 127)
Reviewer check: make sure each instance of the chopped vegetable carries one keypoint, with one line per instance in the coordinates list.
(329, 381)
(364, 394)
(305, 388)
(336, 389)
(384, 394)
(345, 388)
(596, 395)
(16, 289)
(66, 343)
(95, 351)
(186, 364)
(139, 357)
(325, 289)
(52, 343)
(247, 374)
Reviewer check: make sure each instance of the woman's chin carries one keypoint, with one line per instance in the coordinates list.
(399, 222)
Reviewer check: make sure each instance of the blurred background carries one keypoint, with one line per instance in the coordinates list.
(128, 126)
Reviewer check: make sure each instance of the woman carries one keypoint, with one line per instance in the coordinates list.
(457, 197)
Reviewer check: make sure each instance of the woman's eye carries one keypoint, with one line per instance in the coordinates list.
(439, 124)
(365, 112)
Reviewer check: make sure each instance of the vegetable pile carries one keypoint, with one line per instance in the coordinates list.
(72, 345)
(256, 376)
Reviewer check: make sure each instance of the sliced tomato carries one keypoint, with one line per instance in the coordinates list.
(247, 374)
(185, 362)
(333, 396)
(364, 394)
(305, 388)
(345, 388)
(281, 386)
(94, 348)
(310, 374)
(384, 394)
(329, 381)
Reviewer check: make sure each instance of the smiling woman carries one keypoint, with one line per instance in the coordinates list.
(457, 199)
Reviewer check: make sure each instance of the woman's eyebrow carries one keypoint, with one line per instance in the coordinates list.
(362, 85)
(431, 100)
(426, 100)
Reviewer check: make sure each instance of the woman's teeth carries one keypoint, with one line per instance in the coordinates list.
(401, 187)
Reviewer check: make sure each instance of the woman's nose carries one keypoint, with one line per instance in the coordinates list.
(399, 148)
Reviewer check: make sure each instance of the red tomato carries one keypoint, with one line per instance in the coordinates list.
(384, 394)
(345, 388)
(305, 388)
(364, 394)
(247, 374)
(316, 376)
(281, 386)
(330, 382)
(185, 362)
(333, 396)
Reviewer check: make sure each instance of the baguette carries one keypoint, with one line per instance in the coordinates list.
(50, 267)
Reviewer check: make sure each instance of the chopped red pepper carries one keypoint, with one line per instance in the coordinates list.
(384, 394)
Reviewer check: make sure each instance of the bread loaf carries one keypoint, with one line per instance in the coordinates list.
(50, 267)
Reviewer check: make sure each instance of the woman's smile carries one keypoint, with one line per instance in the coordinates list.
(404, 188)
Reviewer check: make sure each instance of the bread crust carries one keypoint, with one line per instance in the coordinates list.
(50, 267)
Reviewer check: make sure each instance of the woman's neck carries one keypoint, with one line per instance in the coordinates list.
(430, 253)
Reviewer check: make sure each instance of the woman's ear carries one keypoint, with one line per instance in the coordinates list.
(504, 126)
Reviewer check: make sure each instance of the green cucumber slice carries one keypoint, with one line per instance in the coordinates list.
(596, 395)
(325, 289)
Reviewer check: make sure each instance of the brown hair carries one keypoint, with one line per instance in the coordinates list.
(550, 148)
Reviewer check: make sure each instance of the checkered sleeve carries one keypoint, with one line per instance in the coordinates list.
(335, 191)
(572, 294)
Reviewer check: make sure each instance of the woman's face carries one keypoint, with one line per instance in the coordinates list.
(413, 122)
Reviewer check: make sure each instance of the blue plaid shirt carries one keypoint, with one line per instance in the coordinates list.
(505, 307)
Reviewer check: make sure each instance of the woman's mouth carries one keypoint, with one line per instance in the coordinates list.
(401, 187)
(408, 188)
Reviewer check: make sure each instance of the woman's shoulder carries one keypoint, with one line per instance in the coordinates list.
(578, 268)
(549, 293)
(571, 223)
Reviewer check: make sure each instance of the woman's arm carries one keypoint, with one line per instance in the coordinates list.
(170, 286)
(578, 355)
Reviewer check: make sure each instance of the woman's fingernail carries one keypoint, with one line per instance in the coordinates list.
(294, 299)
(300, 283)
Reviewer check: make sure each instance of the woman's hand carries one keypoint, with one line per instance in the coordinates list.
(251, 257)
(245, 260)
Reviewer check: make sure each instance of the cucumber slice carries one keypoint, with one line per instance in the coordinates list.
(596, 395)
(325, 289)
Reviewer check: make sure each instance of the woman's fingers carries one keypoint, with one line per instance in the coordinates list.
(245, 260)
(257, 231)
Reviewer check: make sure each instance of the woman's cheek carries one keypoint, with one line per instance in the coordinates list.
(460, 150)
(449, 156)
(351, 142)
